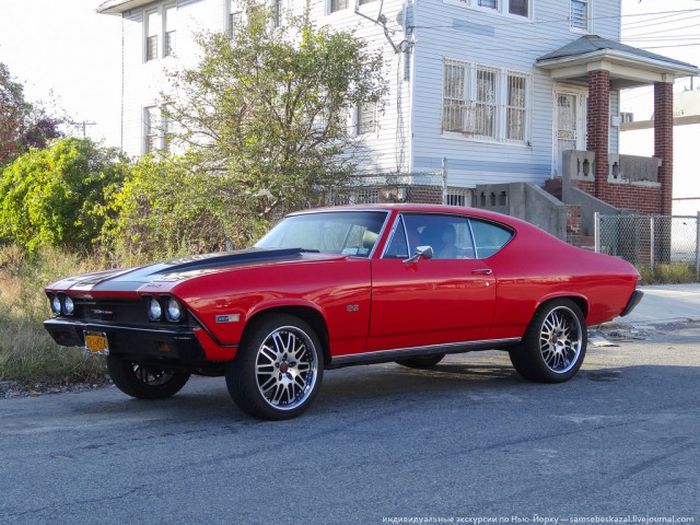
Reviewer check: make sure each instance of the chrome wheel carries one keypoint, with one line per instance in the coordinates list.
(286, 367)
(151, 376)
(561, 339)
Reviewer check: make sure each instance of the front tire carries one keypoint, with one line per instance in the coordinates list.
(145, 381)
(421, 362)
(278, 369)
(554, 345)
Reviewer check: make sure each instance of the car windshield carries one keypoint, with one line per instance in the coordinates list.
(342, 232)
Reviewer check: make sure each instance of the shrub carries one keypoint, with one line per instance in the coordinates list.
(163, 209)
(674, 273)
(56, 196)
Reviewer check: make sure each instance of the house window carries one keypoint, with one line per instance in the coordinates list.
(490, 4)
(150, 129)
(169, 40)
(453, 97)
(516, 107)
(276, 13)
(167, 125)
(484, 102)
(152, 35)
(366, 118)
(579, 15)
(363, 2)
(519, 7)
(337, 5)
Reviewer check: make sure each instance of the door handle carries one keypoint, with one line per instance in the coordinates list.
(483, 271)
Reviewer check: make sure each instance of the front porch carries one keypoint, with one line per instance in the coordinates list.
(639, 184)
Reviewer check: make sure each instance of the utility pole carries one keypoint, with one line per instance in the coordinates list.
(82, 125)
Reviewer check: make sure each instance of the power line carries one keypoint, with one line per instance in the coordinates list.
(560, 19)
(645, 33)
(654, 21)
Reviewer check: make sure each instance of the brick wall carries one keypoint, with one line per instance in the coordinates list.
(599, 125)
(663, 141)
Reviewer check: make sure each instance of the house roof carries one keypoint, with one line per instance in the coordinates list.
(114, 7)
(594, 46)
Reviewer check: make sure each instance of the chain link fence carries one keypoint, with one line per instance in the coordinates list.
(653, 242)
(425, 188)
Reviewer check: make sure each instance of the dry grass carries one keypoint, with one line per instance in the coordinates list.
(675, 273)
(27, 353)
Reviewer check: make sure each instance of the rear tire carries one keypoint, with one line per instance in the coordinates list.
(278, 369)
(554, 345)
(421, 362)
(145, 381)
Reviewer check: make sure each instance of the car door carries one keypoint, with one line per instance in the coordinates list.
(447, 298)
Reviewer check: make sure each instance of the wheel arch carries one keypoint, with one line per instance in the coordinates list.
(306, 313)
(579, 299)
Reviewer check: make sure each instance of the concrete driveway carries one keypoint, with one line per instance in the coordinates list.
(468, 439)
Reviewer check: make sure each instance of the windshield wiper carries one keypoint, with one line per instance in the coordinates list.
(308, 250)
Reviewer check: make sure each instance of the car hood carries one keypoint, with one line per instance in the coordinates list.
(176, 270)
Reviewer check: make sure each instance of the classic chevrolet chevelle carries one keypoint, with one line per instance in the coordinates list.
(344, 286)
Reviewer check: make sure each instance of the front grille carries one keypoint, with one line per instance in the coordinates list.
(127, 312)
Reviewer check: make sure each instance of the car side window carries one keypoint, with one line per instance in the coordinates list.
(489, 237)
(448, 235)
(398, 249)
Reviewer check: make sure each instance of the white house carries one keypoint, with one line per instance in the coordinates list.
(499, 87)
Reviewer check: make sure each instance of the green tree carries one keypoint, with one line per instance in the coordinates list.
(22, 125)
(56, 196)
(267, 108)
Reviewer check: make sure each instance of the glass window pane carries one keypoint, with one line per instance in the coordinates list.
(493, 4)
(398, 249)
(367, 118)
(518, 7)
(447, 235)
(579, 14)
(489, 237)
(337, 5)
(347, 233)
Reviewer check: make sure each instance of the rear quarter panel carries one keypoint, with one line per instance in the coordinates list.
(536, 267)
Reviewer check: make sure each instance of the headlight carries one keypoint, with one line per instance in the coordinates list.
(68, 306)
(56, 305)
(154, 310)
(174, 310)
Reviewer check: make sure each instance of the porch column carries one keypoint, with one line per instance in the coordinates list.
(663, 141)
(598, 125)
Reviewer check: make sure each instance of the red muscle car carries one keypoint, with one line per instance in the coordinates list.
(343, 286)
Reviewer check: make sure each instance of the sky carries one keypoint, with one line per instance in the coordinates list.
(672, 35)
(68, 56)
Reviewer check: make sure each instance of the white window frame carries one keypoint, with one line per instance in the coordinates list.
(146, 34)
(588, 29)
(164, 30)
(508, 74)
(500, 119)
(502, 8)
(357, 117)
(148, 129)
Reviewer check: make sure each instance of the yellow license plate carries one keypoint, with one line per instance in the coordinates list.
(96, 343)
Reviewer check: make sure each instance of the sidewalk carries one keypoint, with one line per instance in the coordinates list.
(666, 303)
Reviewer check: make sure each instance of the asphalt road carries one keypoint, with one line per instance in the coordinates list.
(468, 439)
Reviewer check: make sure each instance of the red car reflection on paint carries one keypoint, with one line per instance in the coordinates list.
(343, 286)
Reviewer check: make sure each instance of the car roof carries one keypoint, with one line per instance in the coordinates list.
(421, 208)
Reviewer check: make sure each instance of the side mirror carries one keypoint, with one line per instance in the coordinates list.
(422, 252)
